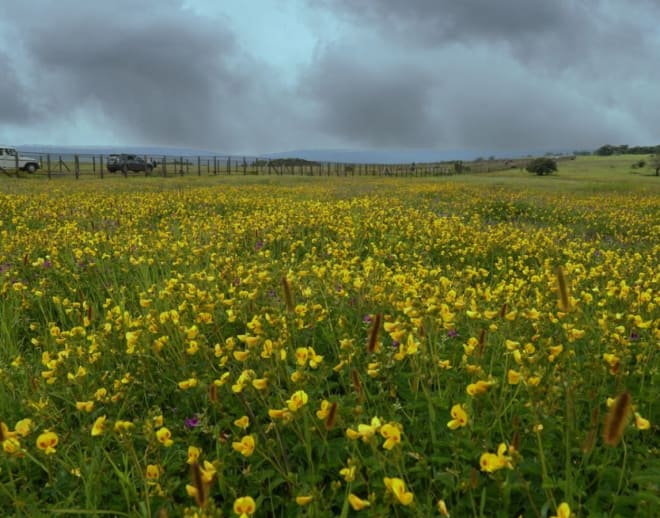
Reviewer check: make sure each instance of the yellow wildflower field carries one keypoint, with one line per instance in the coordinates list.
(328, 347)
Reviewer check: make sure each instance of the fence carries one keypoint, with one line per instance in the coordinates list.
(55, 165)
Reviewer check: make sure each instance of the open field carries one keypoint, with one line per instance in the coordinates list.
(305, 346)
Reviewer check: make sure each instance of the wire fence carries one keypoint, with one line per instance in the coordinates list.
(98, 165)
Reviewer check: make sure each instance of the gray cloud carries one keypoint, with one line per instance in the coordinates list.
(370, 104)
(512, 74)
(479, 74)
(561, 32)
(156, 74)
(14, 104)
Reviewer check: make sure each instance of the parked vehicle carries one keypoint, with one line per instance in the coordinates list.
(10, 159)
(126, 162)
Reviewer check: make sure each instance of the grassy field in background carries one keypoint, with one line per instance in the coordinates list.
(470, 345)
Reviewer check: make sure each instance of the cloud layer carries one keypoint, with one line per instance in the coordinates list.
(475, 74)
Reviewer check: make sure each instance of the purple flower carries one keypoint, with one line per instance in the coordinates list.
(258, 245)
(367, 319)
(634, 335)
(192, 422)
(396, 344)
(452, 333)
(47, 263)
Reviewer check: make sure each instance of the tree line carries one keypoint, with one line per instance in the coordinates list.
(623, 149)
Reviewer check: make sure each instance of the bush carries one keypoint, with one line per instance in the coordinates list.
(542, 166)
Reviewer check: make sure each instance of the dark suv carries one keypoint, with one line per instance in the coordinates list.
(127, 163)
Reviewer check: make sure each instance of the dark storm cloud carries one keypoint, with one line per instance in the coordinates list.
(369, 104)
(156, 72)
(506, 75)
(561, 32)
(496, 75)
(14, 105)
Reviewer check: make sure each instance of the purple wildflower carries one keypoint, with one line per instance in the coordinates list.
(192, 422)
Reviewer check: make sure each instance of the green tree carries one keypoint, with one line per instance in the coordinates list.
(542, 166)
(655, 163)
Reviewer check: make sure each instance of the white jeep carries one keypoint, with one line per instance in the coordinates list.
(11, 160)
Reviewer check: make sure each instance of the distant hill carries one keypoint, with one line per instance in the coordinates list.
(347, 156)
(109, 150)
(403, 156)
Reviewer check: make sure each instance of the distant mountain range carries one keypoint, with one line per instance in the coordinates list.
(350, 156)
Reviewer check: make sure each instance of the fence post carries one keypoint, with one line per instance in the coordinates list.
(76, 166)
(48, 164)
(164, 167)
(215, 166)
(17, 161)
(101, 165)
(244, 166)
(228, 165)
(93, 164)
(199, 166)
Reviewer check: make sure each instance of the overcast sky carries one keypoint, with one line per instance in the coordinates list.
(258, 76)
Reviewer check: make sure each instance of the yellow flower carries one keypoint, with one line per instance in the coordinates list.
(297, 401)
(245, 447)
(99, 426)
(301, 356)
(314, 359)
(23, 427)
(513, 377)
(241, 356)
(208, 472)
(323, 412)
(392, 435)
(187, 384)
(480, 387)
(164, 436)
(357, 503)
(260, 383)
(123, 426)
(153, 471)
(12, 446)
(641, 423)
(563, 511)
(85, 406)
(297, 376)
(348, 473)
(460, 417)
(47, 442)
(244, 506)
(442, 508)
(491, 462)
(131, 341)
(100, 394)
(242, 422)
(193, 454)
(275, 413)
(304, 499)
(192, 348)
(397, 487)
(192, 491)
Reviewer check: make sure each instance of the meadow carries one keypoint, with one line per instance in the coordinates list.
(476, 345)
